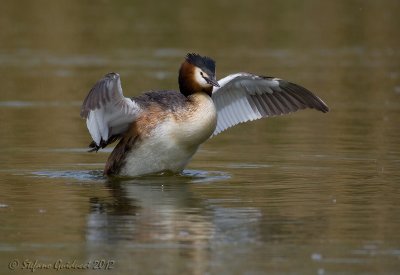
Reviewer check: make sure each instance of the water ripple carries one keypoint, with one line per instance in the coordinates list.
(193, 176)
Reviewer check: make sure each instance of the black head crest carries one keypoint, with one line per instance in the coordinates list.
(203, 62)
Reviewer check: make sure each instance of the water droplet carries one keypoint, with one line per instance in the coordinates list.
(316, 257)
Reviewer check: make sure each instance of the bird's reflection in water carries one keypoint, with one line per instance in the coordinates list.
(164, 212)
(149, 210)
(149, 218)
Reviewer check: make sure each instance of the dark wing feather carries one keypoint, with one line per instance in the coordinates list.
(108, 113)
(245, 97)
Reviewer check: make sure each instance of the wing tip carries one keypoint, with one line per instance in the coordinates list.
(316, 102)
(326, 109)
(322, 106)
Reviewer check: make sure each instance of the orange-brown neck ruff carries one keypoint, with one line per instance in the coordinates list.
(187, 82)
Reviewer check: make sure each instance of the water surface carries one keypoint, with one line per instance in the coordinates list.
(307, 193)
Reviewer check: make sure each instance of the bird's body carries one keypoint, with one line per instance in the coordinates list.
(164, 137)
(161, 130)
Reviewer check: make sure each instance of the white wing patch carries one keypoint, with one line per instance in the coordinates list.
(245, 97)
(106, 110)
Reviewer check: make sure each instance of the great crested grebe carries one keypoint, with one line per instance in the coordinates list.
(161, 130)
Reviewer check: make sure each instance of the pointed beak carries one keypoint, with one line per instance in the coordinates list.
(212, 81)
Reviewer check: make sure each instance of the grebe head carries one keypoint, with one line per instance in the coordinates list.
(197, 74)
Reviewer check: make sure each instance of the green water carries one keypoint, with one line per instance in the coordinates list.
(308, 193)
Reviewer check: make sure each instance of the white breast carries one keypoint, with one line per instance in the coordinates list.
(196, 125)
(172, 144)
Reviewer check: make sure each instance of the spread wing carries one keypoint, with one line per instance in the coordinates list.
(245, 97)
(108, 113)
